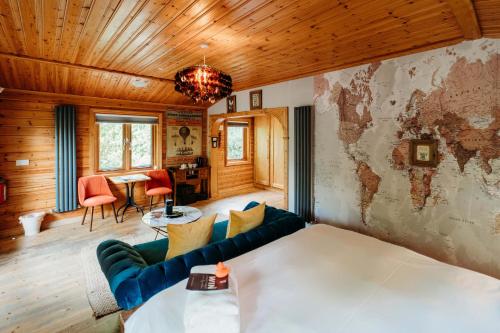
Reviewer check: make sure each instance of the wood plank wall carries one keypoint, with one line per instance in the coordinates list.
(236, 179)
(27, 132)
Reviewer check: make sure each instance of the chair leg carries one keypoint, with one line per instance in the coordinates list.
(114, 211)
(85, 214)
(91, 218)
(151, 203)
(102, 211)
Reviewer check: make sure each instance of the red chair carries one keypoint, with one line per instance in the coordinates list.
(158, 185)
(94, 191)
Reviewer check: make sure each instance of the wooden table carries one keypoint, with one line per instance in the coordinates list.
(129, 181)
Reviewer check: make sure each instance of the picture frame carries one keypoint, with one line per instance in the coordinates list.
(231, 104)
(424, 153)
(256, 100)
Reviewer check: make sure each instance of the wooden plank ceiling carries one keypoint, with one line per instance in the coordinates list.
(98, 47)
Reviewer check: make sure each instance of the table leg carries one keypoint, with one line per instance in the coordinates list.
(130, 202)
(126, 204)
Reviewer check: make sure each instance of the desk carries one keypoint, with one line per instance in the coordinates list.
(129, 181)
(199, 177)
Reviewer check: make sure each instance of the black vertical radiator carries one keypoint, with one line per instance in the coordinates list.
(65, 164)
(303, 116)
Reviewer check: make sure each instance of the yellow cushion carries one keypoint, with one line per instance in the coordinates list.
(183, 238)
(246, 220)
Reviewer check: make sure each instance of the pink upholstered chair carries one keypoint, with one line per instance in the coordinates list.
(94, 191)
(158, 185)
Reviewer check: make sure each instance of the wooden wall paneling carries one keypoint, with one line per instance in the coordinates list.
(277, 150)
(261, 151)
(233, 179)
(27, 132)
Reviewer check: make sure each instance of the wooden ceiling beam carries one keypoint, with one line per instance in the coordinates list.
(98, 102)
(82, 67)
(466, 17)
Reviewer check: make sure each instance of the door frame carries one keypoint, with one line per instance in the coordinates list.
(216, 120)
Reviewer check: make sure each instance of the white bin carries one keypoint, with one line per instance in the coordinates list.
(31, 223)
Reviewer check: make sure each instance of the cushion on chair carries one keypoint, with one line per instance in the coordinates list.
(98, 200)
(158, 191)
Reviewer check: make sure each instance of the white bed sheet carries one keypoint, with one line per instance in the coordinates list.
(325, 279)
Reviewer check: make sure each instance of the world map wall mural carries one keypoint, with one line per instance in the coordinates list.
(366, 118)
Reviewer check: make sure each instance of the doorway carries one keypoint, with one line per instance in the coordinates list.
(258, 152)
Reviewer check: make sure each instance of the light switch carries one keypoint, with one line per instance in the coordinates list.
(22, 162)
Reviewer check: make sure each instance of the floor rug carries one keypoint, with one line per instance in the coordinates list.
(99, 294)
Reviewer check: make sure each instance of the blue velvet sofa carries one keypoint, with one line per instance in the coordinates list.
(136, 273)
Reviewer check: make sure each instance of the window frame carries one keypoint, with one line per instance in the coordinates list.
(246, 144)
(127, 133)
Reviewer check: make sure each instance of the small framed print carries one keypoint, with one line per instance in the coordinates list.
(256, 100)
(423, 153)
(231, 104)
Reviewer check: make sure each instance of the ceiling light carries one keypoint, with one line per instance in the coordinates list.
(138, 83)
(203, 83)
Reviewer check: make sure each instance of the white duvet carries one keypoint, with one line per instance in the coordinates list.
(325, 279)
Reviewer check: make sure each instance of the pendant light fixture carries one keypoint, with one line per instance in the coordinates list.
(203, 83)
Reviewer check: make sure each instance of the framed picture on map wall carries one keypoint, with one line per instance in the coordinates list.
(423, 152)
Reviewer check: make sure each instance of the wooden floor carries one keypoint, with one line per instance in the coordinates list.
(42, 285)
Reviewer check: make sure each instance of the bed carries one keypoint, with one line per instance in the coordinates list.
(326, 279)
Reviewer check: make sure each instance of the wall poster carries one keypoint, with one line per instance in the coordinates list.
(184, 133)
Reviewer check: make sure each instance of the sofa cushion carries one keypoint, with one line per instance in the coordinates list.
(190, 236)
(220, 229)
(245, 220)
(153, 252)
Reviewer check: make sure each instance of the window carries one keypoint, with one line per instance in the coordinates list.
(126, 142)
(111, 146)
(142, 145)
(236, 142)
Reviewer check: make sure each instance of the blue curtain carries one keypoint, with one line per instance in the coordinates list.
(66, 186)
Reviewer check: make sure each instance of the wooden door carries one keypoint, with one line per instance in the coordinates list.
(261, 150)
(277, 148)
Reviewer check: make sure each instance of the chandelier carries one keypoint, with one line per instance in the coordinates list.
(203, 83)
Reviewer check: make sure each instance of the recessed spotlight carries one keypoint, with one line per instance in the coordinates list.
(138, 83)
(204, 45)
